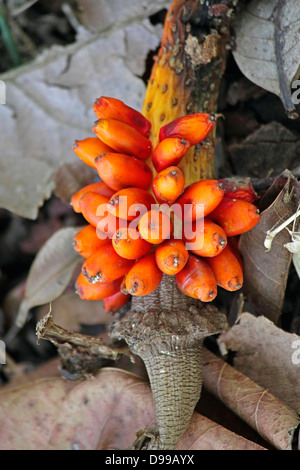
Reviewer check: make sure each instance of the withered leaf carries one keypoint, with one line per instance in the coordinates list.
(205, 434)
(56, 414)
(268, 46)
(272, 419)
(50, 272)
(101, 413)
(268, 355)
(266, 272)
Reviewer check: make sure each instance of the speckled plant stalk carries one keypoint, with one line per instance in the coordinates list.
(166, 328)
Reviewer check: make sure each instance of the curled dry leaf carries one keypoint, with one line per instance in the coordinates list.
(101, 413)
(268, 355)
(205, 434)
(268, 46)
(92, 414)
(50, 272)
(266, 272)
(272, 419)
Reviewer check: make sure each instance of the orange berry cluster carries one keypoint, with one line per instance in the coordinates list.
(132, 238)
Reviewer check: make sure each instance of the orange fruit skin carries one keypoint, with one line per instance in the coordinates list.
(169, 152)
(111, 108)
(144, 276)
(128, 243)
(105, 265)
(227, 270)
(235, 216)
(192, 127)
(200, 199)
(121, 171)
(90, 148)
(171, 256)
(197, 279)
(123, 138)
(99, 291)
(168, 185)
(155, 226)
(206, 239)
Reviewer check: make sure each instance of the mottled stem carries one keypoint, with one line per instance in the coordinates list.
(167, 332)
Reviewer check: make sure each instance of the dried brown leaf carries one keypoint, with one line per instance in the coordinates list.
(204, 434)
(268, 355)
(91, 414)
(268, 47)
(272, 419)
(103, 413)
(266, 272)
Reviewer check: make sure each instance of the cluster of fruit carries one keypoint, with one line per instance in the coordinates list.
(142, 226)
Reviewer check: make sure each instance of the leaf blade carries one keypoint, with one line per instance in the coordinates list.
(267, 50)
(50, 272)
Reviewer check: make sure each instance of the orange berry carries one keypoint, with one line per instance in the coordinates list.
(99, 188)
(197, 280)
(92, 205)
(168, 185)
(112, 108)
(206, 237)
(105, 265)
(129, 203)
(155, 226)
(235, 216)
(169, 152)
(86, 241)
(121, 171)
(199, 199)
(192, 127)
(109, 224)
(123, 138)
(90, 148)
(94, 210)
(171, 256)
(128, 243)
(227, 270)
(114, 302)
(89, 291)
(144, 276)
